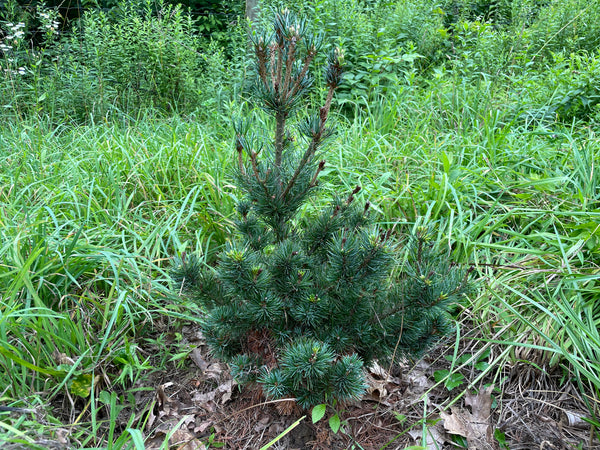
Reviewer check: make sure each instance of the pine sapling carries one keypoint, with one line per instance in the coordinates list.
(301, 304)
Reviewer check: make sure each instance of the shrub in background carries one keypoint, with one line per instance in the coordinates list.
(136, 57)
(149, 55)
(562, 26)
(300, 304)
(140, 55)
(568, 90)
(383, 40)
(21, 65)
(480, 50)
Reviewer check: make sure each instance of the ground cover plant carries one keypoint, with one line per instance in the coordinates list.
(480, 125)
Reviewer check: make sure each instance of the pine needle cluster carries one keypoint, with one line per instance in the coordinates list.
(302, 304)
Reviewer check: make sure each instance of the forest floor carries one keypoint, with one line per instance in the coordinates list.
(199, 406)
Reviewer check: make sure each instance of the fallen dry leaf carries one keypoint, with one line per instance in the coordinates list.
(202, 426)
(151, 418)
(196, 356)
(474, 425)
(481, 403)
(456, 423)
(262, 423)
(182, 439)
(62, 435)
(574, 419)
(381, 373)
(225, 389)
(434, 438)
(376, 389)
(418, 378)
(62, 358)
(215, 371)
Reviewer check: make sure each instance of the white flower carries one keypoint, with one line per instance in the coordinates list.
(21, 70)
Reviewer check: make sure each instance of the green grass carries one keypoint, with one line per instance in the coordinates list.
(91, 215)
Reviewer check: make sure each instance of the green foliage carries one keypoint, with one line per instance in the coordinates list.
(142, 54)
(459, 142)
(382, 40)
(152, 54)
(563, 26)
(498, 12)
(480, 49)
(568, 90)
(21, 66)
(83, 233)
(136, 57)
(301, 303)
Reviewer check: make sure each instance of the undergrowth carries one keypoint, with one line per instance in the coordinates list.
(483, 125)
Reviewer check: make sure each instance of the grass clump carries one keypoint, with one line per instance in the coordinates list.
(85, 235)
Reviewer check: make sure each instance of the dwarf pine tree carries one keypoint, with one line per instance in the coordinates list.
(302, 304)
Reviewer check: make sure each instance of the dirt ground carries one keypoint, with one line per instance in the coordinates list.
(521, 407)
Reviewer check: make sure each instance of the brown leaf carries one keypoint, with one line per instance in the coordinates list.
(434, 438)
(62, 435)
(474, 425)
(215, 371)
(379, 372)
(62, 358)
(418, 378)
(161, 397)
(151, 416)
(180, 438)
(184, 440)
(202, 426)
(456, 423)
(574, 419)
(481, 403)
(262, 423)
(225, 389)
(196, 356)
(376, 389)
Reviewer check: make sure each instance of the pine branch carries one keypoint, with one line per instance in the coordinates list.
(291, 57)
(279, 136)
(314, 180)
(298, 84)
(239, 146)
